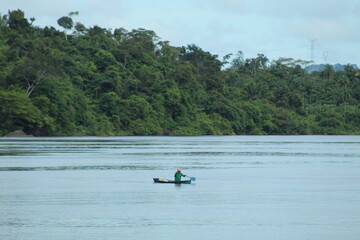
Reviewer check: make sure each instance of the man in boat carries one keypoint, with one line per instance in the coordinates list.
(178, 175)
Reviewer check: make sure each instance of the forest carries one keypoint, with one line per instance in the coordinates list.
(75, 80)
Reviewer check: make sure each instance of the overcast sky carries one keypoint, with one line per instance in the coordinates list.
(275, 28)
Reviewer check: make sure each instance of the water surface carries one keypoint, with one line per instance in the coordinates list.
(248, 187)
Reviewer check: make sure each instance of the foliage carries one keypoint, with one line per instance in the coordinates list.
(95, 81)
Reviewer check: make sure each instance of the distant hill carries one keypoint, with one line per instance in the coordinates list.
(319, 67)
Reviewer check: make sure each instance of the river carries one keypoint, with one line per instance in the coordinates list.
(247, 187)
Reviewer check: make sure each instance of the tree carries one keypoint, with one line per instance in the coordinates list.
(104, 59)
(256, 64)
(34, 72)
(18, 22)
(238, 62)
(4, 20)
(67, 23)
(80, 28)
(104, 82)
(17, 112)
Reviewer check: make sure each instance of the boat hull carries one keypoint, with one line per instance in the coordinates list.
(164, 180)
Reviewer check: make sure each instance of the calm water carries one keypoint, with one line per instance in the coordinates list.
(248, 187)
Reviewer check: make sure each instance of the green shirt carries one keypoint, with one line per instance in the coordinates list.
(178, 176)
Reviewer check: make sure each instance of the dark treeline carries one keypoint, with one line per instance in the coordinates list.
(95, 81)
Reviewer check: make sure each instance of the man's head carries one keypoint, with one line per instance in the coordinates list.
(179, 169)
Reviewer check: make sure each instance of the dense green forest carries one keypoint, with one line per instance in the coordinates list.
(97, 81)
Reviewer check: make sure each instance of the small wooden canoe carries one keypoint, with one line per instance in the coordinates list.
(164, 180)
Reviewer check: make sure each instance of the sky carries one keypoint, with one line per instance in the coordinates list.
(330, 29)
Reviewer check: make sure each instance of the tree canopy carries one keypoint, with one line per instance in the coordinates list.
(98, 81)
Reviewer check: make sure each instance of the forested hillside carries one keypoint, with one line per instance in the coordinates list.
(96, 81)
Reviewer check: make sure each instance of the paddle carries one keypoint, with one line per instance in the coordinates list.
(192, 178)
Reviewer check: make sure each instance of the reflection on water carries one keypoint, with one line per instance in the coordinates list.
(248, 187)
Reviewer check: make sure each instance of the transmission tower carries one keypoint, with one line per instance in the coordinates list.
(312, 49)
(325, 55)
